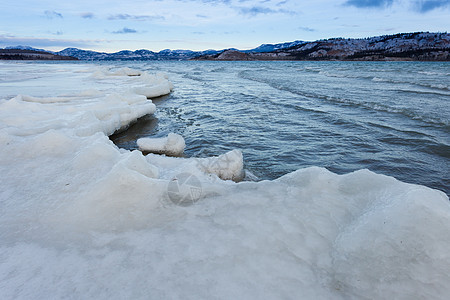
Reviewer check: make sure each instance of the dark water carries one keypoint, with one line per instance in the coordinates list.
(389, 117)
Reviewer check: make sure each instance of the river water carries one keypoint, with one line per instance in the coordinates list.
(389, 117)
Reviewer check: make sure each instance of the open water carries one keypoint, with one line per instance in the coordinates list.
(389, 117)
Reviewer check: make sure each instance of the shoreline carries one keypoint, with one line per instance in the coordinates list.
(233, 55)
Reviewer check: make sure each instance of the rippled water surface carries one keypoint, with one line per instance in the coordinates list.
(389, 117)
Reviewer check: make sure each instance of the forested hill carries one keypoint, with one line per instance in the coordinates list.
(403, 46)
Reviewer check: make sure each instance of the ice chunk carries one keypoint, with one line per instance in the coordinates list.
(154, 91)
(172, 145)
(154, 85)
(228, 166)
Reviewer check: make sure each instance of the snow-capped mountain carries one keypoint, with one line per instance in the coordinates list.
(417, 45)
(142, 54)
(166, 54)
(274, 47)
(402, 46)
(20, 47)
(83, 54)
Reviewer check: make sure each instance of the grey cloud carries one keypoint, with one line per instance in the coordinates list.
(87, 15)
(256, 10)
(259, 10)
(428, 5)
(282, 3)
(212, 2)
(52, 14)
(217, 1)
(230, 32)
(422, 6)
(307, 29)
(58, 32)
(125, 30)
(369, 3)
(135, 17)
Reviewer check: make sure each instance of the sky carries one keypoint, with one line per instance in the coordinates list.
(113, 25)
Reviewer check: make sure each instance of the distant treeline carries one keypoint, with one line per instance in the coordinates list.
(385, 37)
(419, 46)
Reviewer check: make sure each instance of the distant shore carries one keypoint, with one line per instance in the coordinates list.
(414, 46)
(232, 55)
(417, 46)
(20, 54)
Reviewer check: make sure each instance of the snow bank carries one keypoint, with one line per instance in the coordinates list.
(80, 218)
(172, 145)
(25, 115)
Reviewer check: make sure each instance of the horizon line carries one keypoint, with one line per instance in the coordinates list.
(223, 49)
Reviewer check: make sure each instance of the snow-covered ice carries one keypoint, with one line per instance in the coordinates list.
(228, 166)
(81, 218)
(172, 145)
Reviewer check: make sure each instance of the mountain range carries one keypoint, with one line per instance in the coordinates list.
(402, 46)
(166, 54)
(143, 54)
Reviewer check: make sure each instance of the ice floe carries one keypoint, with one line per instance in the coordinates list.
(81, 218)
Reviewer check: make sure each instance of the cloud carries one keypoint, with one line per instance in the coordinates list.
(428, 5)
(231, 32)
(256, 10)
(58, 32)
(11, 40)
(369, 3)
(135, 17)
(51, 14)
(307, 29)
(350, 25)
(259, 10)
(422, 6)
(217, 1)
(125, 30)
(87, 15)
